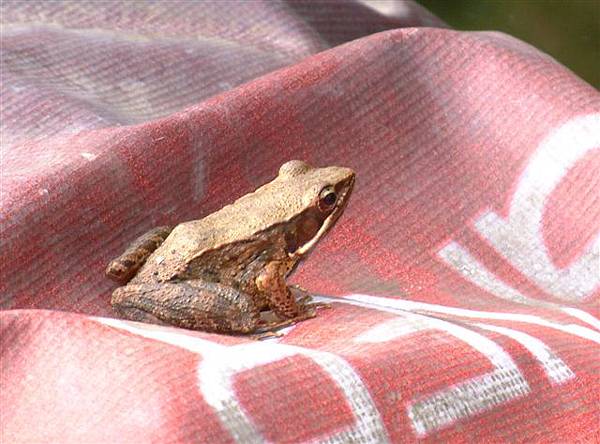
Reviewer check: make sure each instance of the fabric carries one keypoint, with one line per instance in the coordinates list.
(464, 275)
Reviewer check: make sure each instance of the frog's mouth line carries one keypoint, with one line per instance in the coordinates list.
(329, 221)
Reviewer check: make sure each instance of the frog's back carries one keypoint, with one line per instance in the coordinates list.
(252, 220)
(241, 222)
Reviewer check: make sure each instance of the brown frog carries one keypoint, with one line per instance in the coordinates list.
(220, 272)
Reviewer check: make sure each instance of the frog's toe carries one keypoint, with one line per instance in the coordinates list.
(266, 335)
(306, 312)
(326, 305)
(299, 289)
(119, 271)
(312, 307)
(269, 326)
(304, 300)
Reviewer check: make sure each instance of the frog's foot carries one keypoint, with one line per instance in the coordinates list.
(266, 335)
(316, 305)
(123, 268)
(307, 312)
(303, 296)
(299, 289)
(270, 326)
(268, 329)
(305, 299)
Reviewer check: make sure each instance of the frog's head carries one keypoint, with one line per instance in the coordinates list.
(316, 198)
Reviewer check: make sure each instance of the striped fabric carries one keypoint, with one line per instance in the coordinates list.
(464, 275)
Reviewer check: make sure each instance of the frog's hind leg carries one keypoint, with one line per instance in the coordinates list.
(123, 268)
(193, 304)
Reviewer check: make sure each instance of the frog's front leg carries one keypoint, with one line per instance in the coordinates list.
(281, 299)
(306, 297)
(193, 304)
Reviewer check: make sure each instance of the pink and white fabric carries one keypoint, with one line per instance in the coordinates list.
(464, 275)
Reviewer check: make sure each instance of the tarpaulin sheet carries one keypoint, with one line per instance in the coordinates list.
(464, 275)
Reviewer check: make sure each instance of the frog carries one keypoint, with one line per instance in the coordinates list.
(223, 272)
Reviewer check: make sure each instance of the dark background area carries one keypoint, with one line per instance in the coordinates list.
(568, 30)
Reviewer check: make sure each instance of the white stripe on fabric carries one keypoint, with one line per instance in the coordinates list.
(556, 369)
(393, 305)
(471, 269)
(220, 363)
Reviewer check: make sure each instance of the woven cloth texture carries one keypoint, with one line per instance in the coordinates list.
(464, 275)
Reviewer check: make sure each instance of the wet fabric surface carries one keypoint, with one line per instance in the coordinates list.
(463, 275)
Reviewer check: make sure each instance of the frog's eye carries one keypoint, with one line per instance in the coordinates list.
(327, 198)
